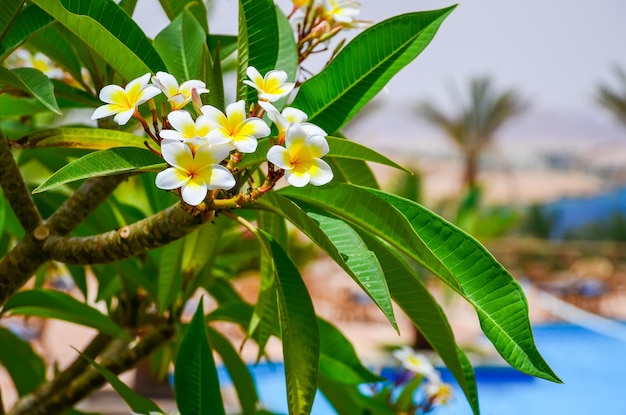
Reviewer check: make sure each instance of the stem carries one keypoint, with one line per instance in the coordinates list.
(83, 202)
(17, 266)
(159, 229)
(90, 380)
(15, 189)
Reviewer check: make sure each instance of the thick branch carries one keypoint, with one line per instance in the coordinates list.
(84, 201)
(90, 379)
(159, 229)
(15, 189)
(17, 266)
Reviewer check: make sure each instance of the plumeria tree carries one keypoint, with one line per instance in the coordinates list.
(132, 170)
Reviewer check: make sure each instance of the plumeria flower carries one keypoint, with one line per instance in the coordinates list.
(301, 158)
(178, 96)
(194, 133)
(194, 173)
(415, 362)
(123, 101)
(438, 393)
(343, 12)
(272, 87)
(234, 128)
(39, 61)
(289, 116)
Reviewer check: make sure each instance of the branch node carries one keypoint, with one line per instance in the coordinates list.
(41, 232)
(125, 232)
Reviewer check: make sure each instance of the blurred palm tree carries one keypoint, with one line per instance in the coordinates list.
(614, 100)
(474, 125)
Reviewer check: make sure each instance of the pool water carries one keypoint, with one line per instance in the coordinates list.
(592, 367)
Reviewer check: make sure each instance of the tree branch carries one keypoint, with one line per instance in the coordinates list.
(90, 380)
(159, 229)
(15, 189)
(17, 266)
(84, 201)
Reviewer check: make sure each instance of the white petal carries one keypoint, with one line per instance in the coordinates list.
(194, 192)
(166, 83)
(181, 120)
(253, 74)
(297, 177)
(187, 86)
(171, 135)
(177, 154)
(320, 173)
(170, 179)
(219, 136)
(312, 129)
(320, 144)
(220, 178)
(255, 127)
(142, 81)
(104, 111)
(280, 157)
(294, 115)
(113, 94)
(245, 144)
(276, 75)
(295, 136)
(122, 117)
(236, 110)
(204, 157)
(147, 93)
(215, 117)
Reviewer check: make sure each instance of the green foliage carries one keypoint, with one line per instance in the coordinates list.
(150, 253)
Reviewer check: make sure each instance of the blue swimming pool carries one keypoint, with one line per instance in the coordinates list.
(592, 366)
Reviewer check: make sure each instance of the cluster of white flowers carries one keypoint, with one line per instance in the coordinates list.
(342, 12)
(196, 149)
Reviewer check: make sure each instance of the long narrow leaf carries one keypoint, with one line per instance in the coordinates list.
(87, 138)
(136, 402)
(450, 254)
(170, 274)
(33, 82)
(300, 333)
(26, 368)
(61, 306)
(196, 384)
(102, 163)
(8, 13)
(109, 31)
(408, 291)
(364, 66)
(30, 20)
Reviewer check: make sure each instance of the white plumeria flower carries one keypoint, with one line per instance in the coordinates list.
(438, 393)
(343, 12)
(301, 158)
(234, 128)
(195, 133)
(270, 88)
(416, 362)
(178, 96)
(124, 101)
(39, 61)
(194, 173)
(289, 116)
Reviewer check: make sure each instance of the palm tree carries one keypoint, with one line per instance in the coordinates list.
(474, 125)
(614, 100)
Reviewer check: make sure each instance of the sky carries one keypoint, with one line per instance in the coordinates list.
(553, 52)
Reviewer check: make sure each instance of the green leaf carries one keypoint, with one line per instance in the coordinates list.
(287, 58)
(8, 13)
(258, 40)
(170, 274)
(352, 171)
(341, 243)
(449, 253)
(87, 138)
(238, 371)
(33, 82)
(300, 333)
(345, 150)
(338, 360)
(180, 46)
(348, 399)
(196, 383)
(3, 211)
(364, 66)
(61, 306)
(109, 31)
(136, 402)
(26, 368)
(104, 163)
(202, 247)
(410, 294)
(173, 9)
(30, 20)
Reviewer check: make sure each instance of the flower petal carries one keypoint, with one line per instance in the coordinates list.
(183, 123)
(171, 178)
(113, 94)
(177, 154)
(280, 157)
(215, 117)
(217, 177)
(122, 117)
(320, 172)
(318, 146)
(245, 143)
(105, 111)
(255, 127)
(298, 177)
(166, 83)
(194, 191)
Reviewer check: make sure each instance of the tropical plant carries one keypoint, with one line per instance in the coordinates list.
(614, 99)
(176, 195)
(474, 125)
